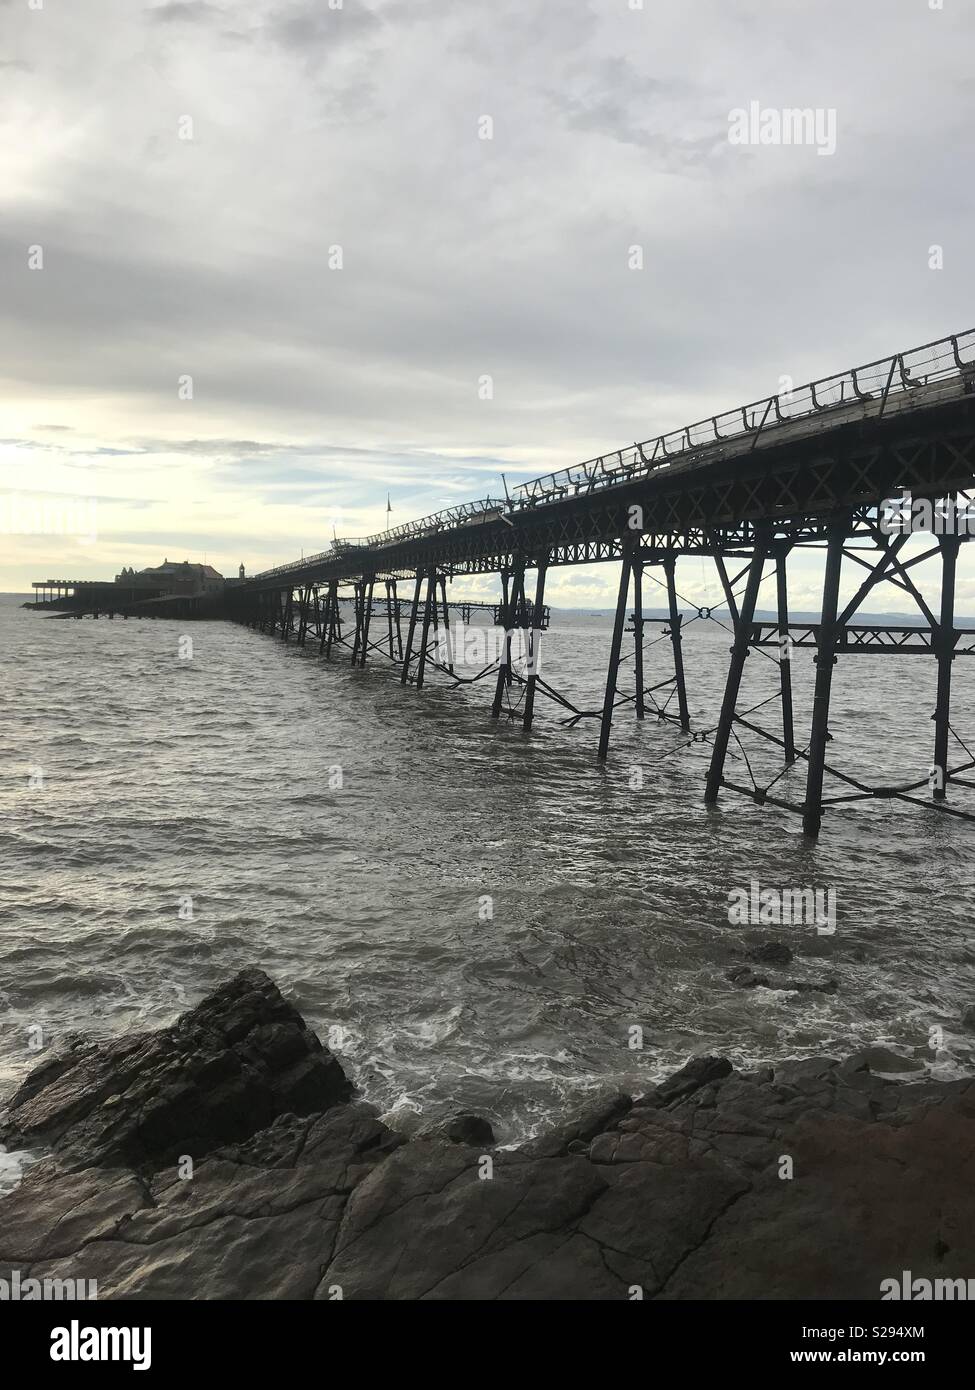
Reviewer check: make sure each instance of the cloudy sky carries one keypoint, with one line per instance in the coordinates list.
(258, 258)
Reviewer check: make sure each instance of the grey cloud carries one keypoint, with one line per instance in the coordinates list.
(194, 11)
(466, 258)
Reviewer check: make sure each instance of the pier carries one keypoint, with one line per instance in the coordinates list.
(749, 490)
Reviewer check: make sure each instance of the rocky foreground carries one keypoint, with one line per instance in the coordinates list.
(226, 1157)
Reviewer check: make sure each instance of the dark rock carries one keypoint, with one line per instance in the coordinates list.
(255, 1221)
(788, 1073)
(867, 1200)
(880, 1060)
(773, 953)
(745, 978)
(699, 1071)
(596, 1114)
(968, 1019)
(427, 1224)
(223, 1071)
(462, 1129)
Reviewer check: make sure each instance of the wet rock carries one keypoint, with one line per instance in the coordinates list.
(426, 1225)
(773, 953)
(880, 1060)
(745, 978)
(258, 1220)
(224, 1070)
(462, 1129)
(698, 1072)
(788, 1073)
(867, 1200)
(596, 1114)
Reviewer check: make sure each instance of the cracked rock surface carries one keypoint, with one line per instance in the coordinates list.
(815, 1179)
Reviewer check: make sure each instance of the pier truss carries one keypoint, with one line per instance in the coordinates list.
(749, 491)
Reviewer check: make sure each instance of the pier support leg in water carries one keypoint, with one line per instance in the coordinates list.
(512, 608)
(785, 654)
(535, 650)
(812, 815)
(739, 654)
(411, 630)
(368, 590)
(612, 672)
(676, 639)
(428, 615)
(945, 639)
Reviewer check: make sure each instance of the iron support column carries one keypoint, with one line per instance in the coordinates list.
(446, 626)
(641, 699)
(946, 639)
(739, 653)
(609, 699)
(670, 565)
(357, 605)
(812, 815)
(368, 589)
(509, 610)
(427, 616)
(411, 631)
(785, 656)
(389, 618)
(331, 613)
(536, 644)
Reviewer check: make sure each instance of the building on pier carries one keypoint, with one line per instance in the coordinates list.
(174, 577)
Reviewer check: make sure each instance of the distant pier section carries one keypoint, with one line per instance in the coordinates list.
(174, 589)
(186, 590)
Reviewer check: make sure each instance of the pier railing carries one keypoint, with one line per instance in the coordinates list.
(874, 382)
